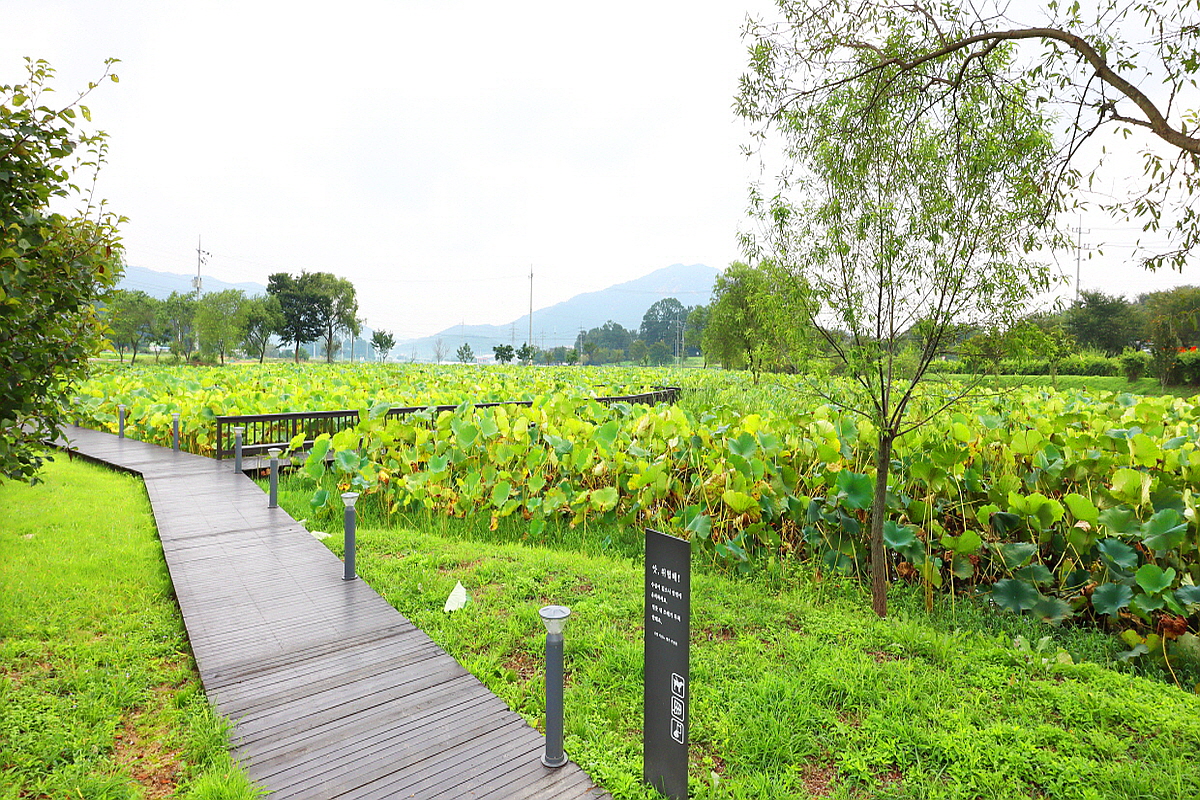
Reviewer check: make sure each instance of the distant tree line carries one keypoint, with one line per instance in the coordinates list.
(668, 332)
(753, 323)
(314, 309)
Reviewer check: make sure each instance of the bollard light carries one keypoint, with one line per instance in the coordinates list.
(237, 450)
(121, 421)
(348, 498)
(273, 497)
(555, 620)
(175, 431)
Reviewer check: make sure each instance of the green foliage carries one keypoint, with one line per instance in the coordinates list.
(907, 215)
(664, 322)
(304, 307)
(54, 267)
(526, 353)
(1110, 324)
(179, 317)
(639, 353)
(794, 687)
(1105, 67)
(504, 353)
(258, 319)
(465, 354)
(606, 344)
(1173, 327)
(133, 318)
(693, 332)
(1134, 364)
(1048, 495)
(659, 354)
(335, 307)
(755, 320)
(218, 321)
(383, 342)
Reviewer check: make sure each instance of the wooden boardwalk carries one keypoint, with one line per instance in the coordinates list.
(333, 694)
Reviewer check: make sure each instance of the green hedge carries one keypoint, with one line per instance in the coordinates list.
(1078, 364)
(1133, 364)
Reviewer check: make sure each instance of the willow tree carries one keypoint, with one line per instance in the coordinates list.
(908, 213)
(752, 320)
(1119, 77)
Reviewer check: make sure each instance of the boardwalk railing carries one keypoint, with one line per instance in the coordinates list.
(262, 432)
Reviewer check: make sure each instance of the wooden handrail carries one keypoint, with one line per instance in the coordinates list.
(262, 431)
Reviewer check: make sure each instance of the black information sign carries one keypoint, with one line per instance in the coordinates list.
(667, 690)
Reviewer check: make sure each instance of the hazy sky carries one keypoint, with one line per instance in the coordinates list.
(432, 151)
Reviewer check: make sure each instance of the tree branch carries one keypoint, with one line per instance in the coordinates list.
(1155, 120)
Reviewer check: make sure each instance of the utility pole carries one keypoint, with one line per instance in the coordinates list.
(201, 258)
(1079, 232)
(1078, 255)
(530, 340)
(679, 342)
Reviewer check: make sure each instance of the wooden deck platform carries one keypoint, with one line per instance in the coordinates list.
(332, 692)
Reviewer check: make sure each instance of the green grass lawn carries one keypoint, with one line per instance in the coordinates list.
(99, 697)
(797, 689)
(1099, 383)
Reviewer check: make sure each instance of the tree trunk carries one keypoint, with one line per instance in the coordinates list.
(879, 569)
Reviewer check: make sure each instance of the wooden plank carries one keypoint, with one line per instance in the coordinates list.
(332, 692)
(454, 768)
(387, 754)
(391, 744)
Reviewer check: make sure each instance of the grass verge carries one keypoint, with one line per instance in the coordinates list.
(1097, 383)
(99, 696)
(798, 691)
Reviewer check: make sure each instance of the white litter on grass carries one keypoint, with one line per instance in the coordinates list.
(457, 599)
(322, 535)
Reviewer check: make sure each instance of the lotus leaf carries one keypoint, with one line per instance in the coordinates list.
(1164, 531)
(1110, 598)
(1015, 595)
(1154, 579)
(1052, 609)
(854, 490)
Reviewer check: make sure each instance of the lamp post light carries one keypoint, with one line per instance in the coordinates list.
(121, 421)
(555, 620)
(237, 450)
(273, 497)
(175, 431)
(348, 498)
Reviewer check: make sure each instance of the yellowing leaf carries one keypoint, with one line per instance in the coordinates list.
(739, 502)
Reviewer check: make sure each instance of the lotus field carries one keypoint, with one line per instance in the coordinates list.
(1059, 504)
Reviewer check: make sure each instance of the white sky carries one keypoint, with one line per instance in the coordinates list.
(431, 151)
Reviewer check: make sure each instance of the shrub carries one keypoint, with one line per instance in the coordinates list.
(1188, 366)
(1090, 364)
(1134, 364)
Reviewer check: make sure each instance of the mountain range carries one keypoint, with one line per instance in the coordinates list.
(559, 324)
(161, 284)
